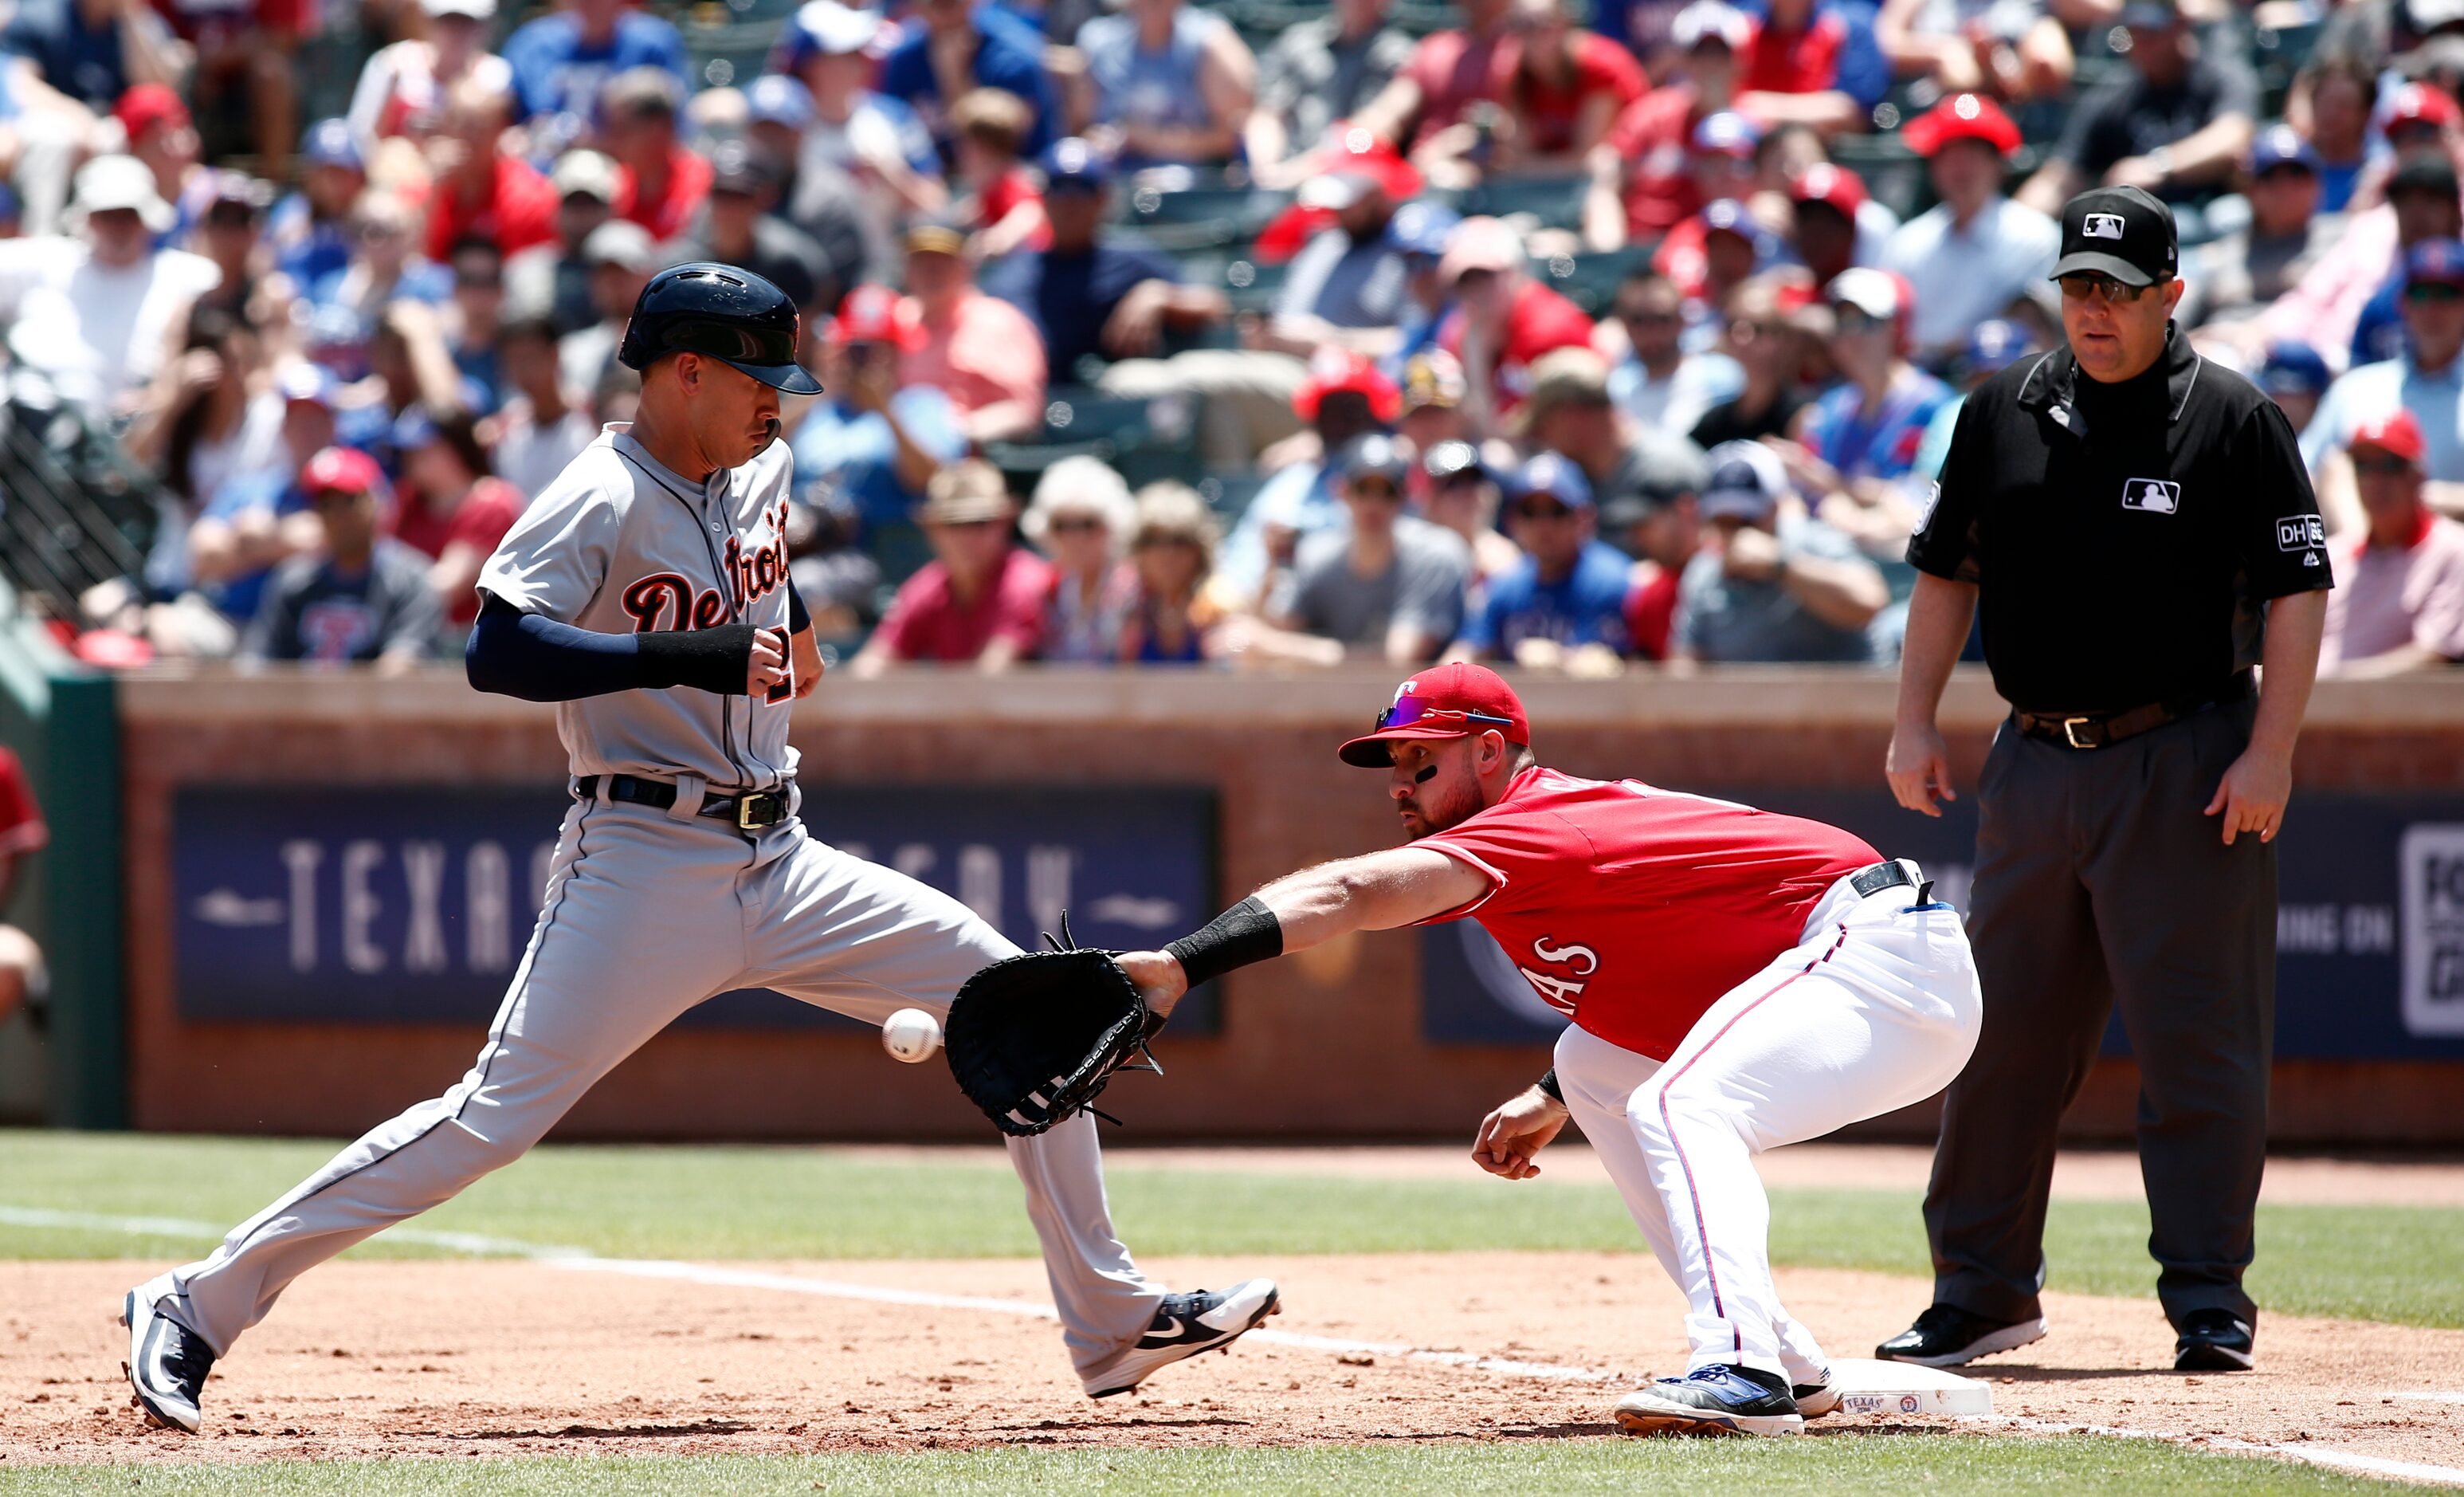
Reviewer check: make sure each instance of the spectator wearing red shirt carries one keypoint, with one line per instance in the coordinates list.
(1646, 178)
(1813, 62)
(1449, 73)
(978, 349)
(980, 599)
(1713, 253)
(660, 185)
(1501, 321)
(452, 511)
(1564, 88)
(482, 193)
(22, 833)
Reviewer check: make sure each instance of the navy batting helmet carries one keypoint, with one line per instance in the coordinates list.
(724, 313)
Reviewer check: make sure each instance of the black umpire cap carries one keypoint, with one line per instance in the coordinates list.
(723, 311)
(2123, 233)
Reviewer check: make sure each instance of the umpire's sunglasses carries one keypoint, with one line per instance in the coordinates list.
(1409, 710)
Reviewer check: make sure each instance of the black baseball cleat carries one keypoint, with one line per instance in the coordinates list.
(2213, 1341)
(1712, 1401)
(1946, 1335)
(167, 1363)
(1185, 1325)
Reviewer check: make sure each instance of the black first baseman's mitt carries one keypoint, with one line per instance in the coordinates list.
(1033, 1039)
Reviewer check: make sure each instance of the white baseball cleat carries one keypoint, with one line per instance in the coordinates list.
(1185, 1325)
(1712, 1401)
(1815, 1398)
(168, 1362)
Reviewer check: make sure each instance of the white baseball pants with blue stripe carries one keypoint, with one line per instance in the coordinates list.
(1876, 1008)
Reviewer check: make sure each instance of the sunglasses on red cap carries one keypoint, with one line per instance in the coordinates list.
(1409, 710)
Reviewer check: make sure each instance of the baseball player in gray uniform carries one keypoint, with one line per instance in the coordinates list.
(646, 592)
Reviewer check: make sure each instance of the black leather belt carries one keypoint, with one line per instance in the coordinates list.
(746, 810)
(2103, 730)
(1895, 874)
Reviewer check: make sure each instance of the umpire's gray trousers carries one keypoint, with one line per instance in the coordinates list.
(2099, 881)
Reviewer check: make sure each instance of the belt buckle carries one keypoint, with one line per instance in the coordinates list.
(2071, 733)
(748, 808)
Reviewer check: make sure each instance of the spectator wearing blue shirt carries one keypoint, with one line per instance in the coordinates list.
(1564, 604)
(1812, 62)
(310, 229)
(1097, 300)
(1172, 83)
(91, 51)
(2427, 377)
(561, 59)
(1001, 52)
(875, 445)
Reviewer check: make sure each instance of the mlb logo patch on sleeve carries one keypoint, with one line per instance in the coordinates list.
(2300, 532)
(2156, 495)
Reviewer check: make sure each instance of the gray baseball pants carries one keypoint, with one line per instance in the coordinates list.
(2098, 882)
(647, 914)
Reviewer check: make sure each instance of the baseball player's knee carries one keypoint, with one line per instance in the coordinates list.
(1662, 1111)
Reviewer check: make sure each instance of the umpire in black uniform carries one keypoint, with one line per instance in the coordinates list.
(2137, 528)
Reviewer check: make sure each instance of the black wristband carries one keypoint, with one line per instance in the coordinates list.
(1248, 932)
(714, 660)
(1547, 1083)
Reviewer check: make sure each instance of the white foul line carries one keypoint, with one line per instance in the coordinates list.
(2309, 1454)
(580, 1260)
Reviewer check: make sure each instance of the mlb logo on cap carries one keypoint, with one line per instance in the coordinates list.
(2103, 226)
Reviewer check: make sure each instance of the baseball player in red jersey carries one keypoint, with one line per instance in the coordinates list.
(1737, 980)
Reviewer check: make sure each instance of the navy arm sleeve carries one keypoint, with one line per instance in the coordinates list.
(515, 654)
(798, 617)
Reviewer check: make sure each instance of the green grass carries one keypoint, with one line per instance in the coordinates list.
(2397, 1264)
(1886, 1465)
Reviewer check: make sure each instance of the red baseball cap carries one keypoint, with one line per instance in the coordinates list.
(2397, 432)
(1835, 185)
(1448, 701)
(875, 315)
(341, 470)
(1336, 369)
(147, 105)
(1962, 117)
(2420, 103)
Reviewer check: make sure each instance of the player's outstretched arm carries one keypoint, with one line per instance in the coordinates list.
(1374, 892)
(515, 654)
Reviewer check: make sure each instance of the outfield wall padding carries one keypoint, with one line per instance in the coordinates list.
(1323, 1044)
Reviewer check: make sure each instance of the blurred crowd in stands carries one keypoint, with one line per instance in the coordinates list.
(1571, 332)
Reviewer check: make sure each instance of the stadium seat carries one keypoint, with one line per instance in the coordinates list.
(1590, 281)
(1557, 202)
(1254, 285)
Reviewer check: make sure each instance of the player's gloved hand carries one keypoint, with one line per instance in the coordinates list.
(767, 665)
(1160, 979)
(1510, 1136)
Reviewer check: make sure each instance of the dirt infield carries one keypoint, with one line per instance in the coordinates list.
(498, 1358)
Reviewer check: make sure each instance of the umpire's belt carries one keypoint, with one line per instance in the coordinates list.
(746, 810)
(2103, 730)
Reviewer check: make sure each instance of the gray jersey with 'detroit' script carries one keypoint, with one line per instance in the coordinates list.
(621, 545)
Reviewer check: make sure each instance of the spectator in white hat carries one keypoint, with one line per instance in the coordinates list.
(94, 309)
(829, 48)
(1080, 521)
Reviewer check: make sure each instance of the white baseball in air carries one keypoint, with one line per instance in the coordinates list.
(910, 1035)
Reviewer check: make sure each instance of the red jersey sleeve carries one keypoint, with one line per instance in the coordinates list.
(1522, 852)
(21, 820)
(485, 514)
(1603, 67)
(1027, 589)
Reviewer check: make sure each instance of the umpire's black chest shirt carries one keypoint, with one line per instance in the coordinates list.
(2124, 537)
